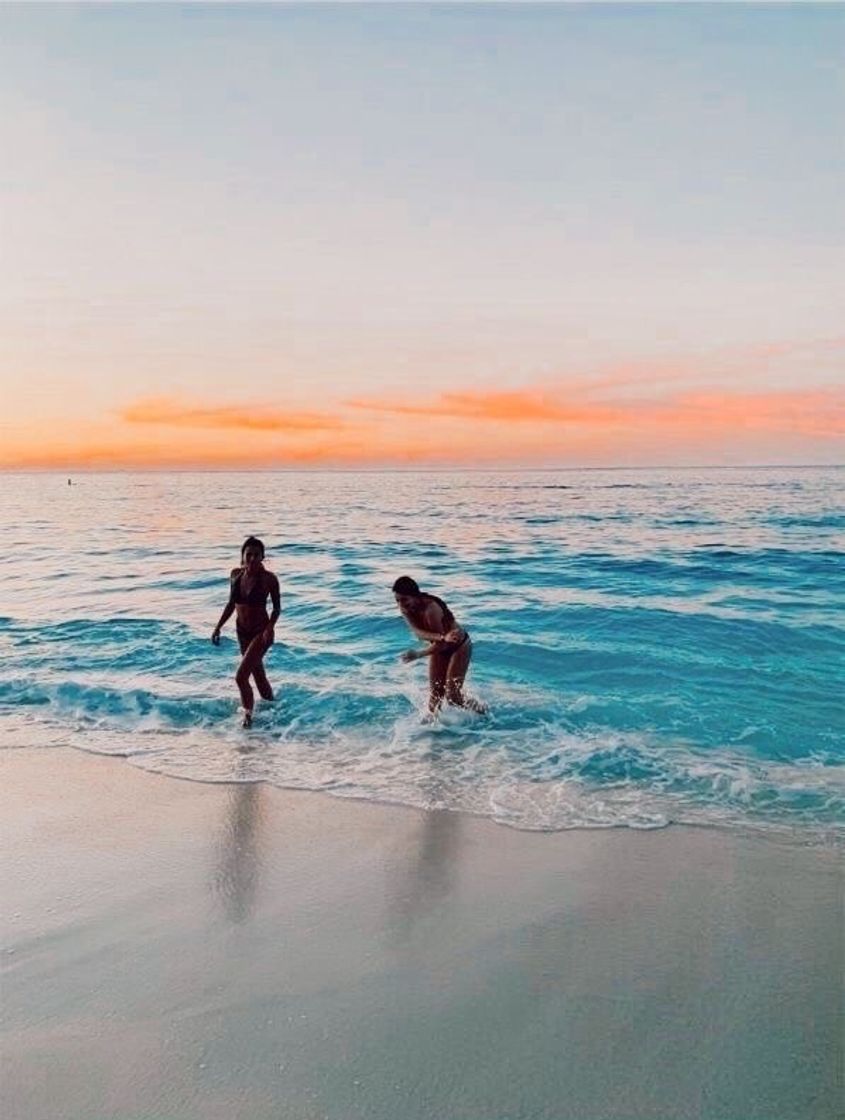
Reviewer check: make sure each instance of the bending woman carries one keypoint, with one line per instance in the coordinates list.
(449, 649)
(249, 587)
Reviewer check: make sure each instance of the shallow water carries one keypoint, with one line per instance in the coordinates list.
(655, 646)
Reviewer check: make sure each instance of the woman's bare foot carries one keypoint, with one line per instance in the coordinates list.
(247, 719)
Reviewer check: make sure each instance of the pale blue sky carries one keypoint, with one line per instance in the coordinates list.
(340, 199)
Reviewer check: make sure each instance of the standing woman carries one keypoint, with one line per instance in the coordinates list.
(449, 649)
(249, 587)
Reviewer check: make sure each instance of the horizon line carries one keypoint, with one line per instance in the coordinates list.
(66, 472)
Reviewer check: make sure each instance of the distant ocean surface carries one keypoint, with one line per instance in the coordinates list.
(655, 646)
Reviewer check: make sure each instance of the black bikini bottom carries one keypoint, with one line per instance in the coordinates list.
(247, 636)
(449, 648)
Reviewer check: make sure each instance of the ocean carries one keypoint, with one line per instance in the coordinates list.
(655, 646)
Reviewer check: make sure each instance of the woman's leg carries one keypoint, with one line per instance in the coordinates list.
(251, 658)
(438, 665)
(455, 674)
(265, 689)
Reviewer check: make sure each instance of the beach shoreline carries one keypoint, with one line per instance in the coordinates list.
(189, 950)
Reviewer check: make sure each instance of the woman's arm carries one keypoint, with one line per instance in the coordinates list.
(417, 654)
(433, 617)
(276, 599)
(277, 607)
(228, 610)
(428, 635)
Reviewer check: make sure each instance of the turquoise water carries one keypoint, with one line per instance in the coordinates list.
(655, 646)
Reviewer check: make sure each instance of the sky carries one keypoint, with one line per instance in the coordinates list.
(319, 235)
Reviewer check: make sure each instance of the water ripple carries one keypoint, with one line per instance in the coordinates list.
(655, 646)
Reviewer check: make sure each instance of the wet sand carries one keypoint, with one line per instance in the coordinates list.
(194, 952)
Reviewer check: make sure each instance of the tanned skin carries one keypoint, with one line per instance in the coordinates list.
(447, 667)
(252, 619)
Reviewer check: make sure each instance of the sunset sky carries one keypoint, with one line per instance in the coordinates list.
(343, 235)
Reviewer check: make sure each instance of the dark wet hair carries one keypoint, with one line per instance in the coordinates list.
(405, 586)
(252, 542)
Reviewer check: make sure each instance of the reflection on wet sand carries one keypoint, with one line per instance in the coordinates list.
(429, 872)
(235, 881)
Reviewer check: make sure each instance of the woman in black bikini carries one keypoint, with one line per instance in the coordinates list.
(249, 587)
(450, 648)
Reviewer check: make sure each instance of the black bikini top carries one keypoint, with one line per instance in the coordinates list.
(448, 617)
(257, 595)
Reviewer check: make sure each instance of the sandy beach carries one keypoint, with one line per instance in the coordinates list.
(179, 950)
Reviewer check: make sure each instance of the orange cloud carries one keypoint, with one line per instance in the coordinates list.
(818, 412)
(254, 417)
(672, 410)
(516, 406)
